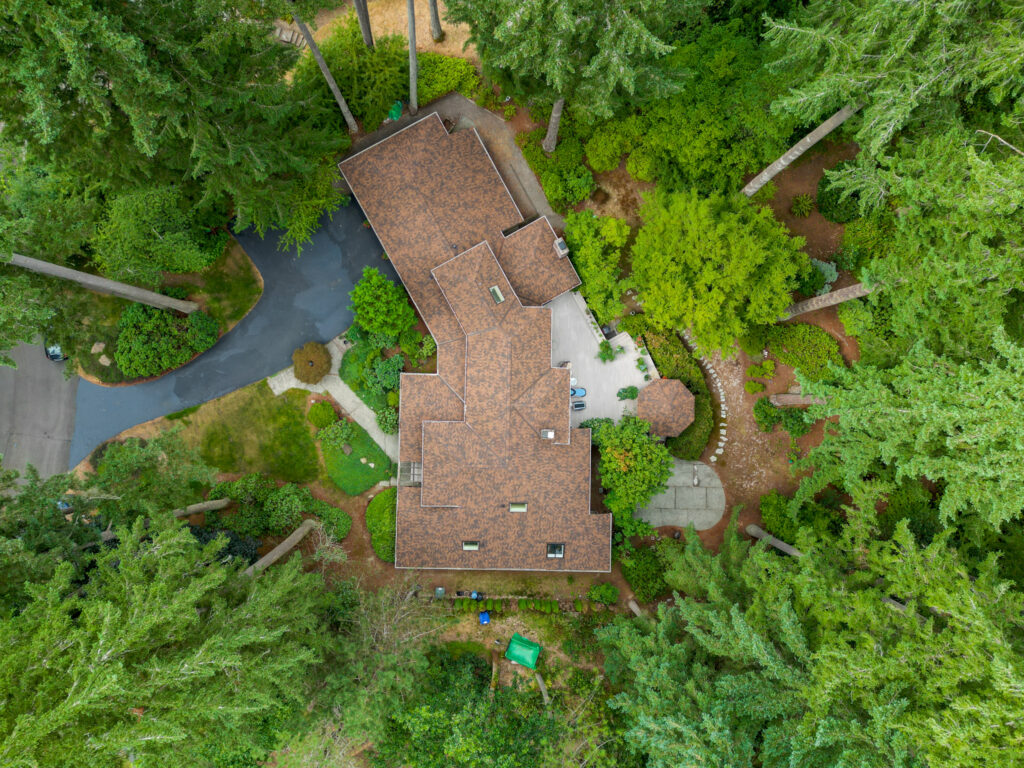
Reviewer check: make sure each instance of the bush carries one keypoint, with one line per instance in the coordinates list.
(523, 603)
(754, 341)
(428, 348)
(766, 415)
(380, 520)
(385, 375)
(611, 140)
(763, 370)
(811, 281)
(795, 421)
(577, 605)
(387, 420)
(311, 362)
(409, 341)
(566, 180)
(605, 352)
(321, 414)
(645, 572)
(628, 393)
(262, 508)
(807, 348)
(336, 434)
(802, 206)
(765, 194)
(440, 74)
(244, 548)
(753, 387)
(335, 520)
(833, 205)
(392, 398)
(864, 239)
(151, 341)
(776, 517)
(856, 317)
(606, 594)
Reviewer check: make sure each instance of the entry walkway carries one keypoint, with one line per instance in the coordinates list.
(332, 385)
(684, 503)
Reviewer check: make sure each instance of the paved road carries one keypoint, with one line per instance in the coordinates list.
(304, 298)
(37, 412)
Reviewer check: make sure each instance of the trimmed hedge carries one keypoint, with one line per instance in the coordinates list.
(380, 520)
(311, 362)
(321, 414)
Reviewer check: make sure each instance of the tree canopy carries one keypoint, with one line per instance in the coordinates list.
(381, 306)
(717, 265)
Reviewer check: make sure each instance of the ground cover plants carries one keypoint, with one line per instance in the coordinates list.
(380, 520)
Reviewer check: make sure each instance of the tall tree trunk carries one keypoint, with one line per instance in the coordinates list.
(364, 22)
(315, 50)
(551, 139)
(435, 22)
(800, 147)
(103, 285)
(410, 7)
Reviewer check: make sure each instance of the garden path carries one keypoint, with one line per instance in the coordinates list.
(304, 298)
(332, 385)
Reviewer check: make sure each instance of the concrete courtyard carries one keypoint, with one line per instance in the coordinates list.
(575, 337)
(683, 503)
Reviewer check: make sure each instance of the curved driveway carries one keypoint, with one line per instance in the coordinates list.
(304, 297)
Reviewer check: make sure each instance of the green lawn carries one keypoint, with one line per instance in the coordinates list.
(349, 473)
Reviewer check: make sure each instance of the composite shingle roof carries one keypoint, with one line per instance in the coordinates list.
(491, 428)
(668, 405)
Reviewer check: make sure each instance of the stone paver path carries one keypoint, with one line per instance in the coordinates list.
(332, 385)
(684, 503)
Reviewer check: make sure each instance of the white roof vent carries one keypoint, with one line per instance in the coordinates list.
(547, 434)
(561, 248)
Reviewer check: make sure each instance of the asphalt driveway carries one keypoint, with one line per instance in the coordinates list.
(304, 298)
(37, 412)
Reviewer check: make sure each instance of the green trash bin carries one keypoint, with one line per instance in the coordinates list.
(396, 111)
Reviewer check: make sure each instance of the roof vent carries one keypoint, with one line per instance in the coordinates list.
(561, 248)
(547, 434)
(496, 294)
(517, 506)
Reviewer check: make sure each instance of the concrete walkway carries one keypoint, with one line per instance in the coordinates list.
(684, 503)
(332, 385)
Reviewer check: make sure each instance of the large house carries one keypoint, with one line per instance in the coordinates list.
(491, 475)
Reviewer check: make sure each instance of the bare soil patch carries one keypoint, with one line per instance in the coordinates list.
(618, 194)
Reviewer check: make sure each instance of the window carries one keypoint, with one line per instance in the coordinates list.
(556, 550)
(496, 294)
(517, 506)
(547, 434)
(470, 546)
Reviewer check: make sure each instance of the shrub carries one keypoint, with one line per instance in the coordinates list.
(866, 238)
(776, 517)
(409, 341)
(577, 605)
(811, 281)
(753, 387)
(607, 594)
(380, 306)
(380, 520)
(321, 414)
(385, 375)
(766, 414)
(393, 398)
(605, 352)
(833, 204)
(628, 393)
(802, 206)
(311, 362)
(439, 74)
(151, 341)
(784, 522)
(336, 434)
(763, 370)
(856, 317)
(523, 603)
(566, 180)
(807, 348)
(613, 139)
(242, 547)
(754, 341)
(387, 420)
(428, 348)
(595, 245)
(335, 520)
(262, 508)
(794, 421)
(645, 573)
(284, 507)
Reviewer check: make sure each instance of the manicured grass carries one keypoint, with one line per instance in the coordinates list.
(349, 473)
(251, 430)
(100, 320)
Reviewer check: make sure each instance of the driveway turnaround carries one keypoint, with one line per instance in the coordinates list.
(685, 502)
(37, 412)
(304, 298)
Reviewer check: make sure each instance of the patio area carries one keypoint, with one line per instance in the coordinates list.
(576, 338)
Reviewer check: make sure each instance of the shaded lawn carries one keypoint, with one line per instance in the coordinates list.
(102, 314)
(251, 430)
(227, 289)
(349, 473)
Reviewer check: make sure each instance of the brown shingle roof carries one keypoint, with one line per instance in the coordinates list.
(668, 405)
(439, 208)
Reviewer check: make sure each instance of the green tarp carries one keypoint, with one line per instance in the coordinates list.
(522, 651)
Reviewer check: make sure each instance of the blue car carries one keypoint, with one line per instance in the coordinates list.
(577, 392)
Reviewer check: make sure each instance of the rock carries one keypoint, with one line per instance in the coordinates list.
(714, 458)
(362, 460)
(720, 451)
(98, 347)
(372, 465)
(105, 361)
(346, 449)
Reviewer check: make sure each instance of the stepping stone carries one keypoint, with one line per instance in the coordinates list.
(98, 347)
(714, 458)
(719, 451)
(105, 361)
(372, 465)
(346, 449)
(362, 460)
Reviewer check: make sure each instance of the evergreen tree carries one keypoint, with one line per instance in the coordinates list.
(380, 306)
(957, 424)
(717, 265)
(163, 652)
